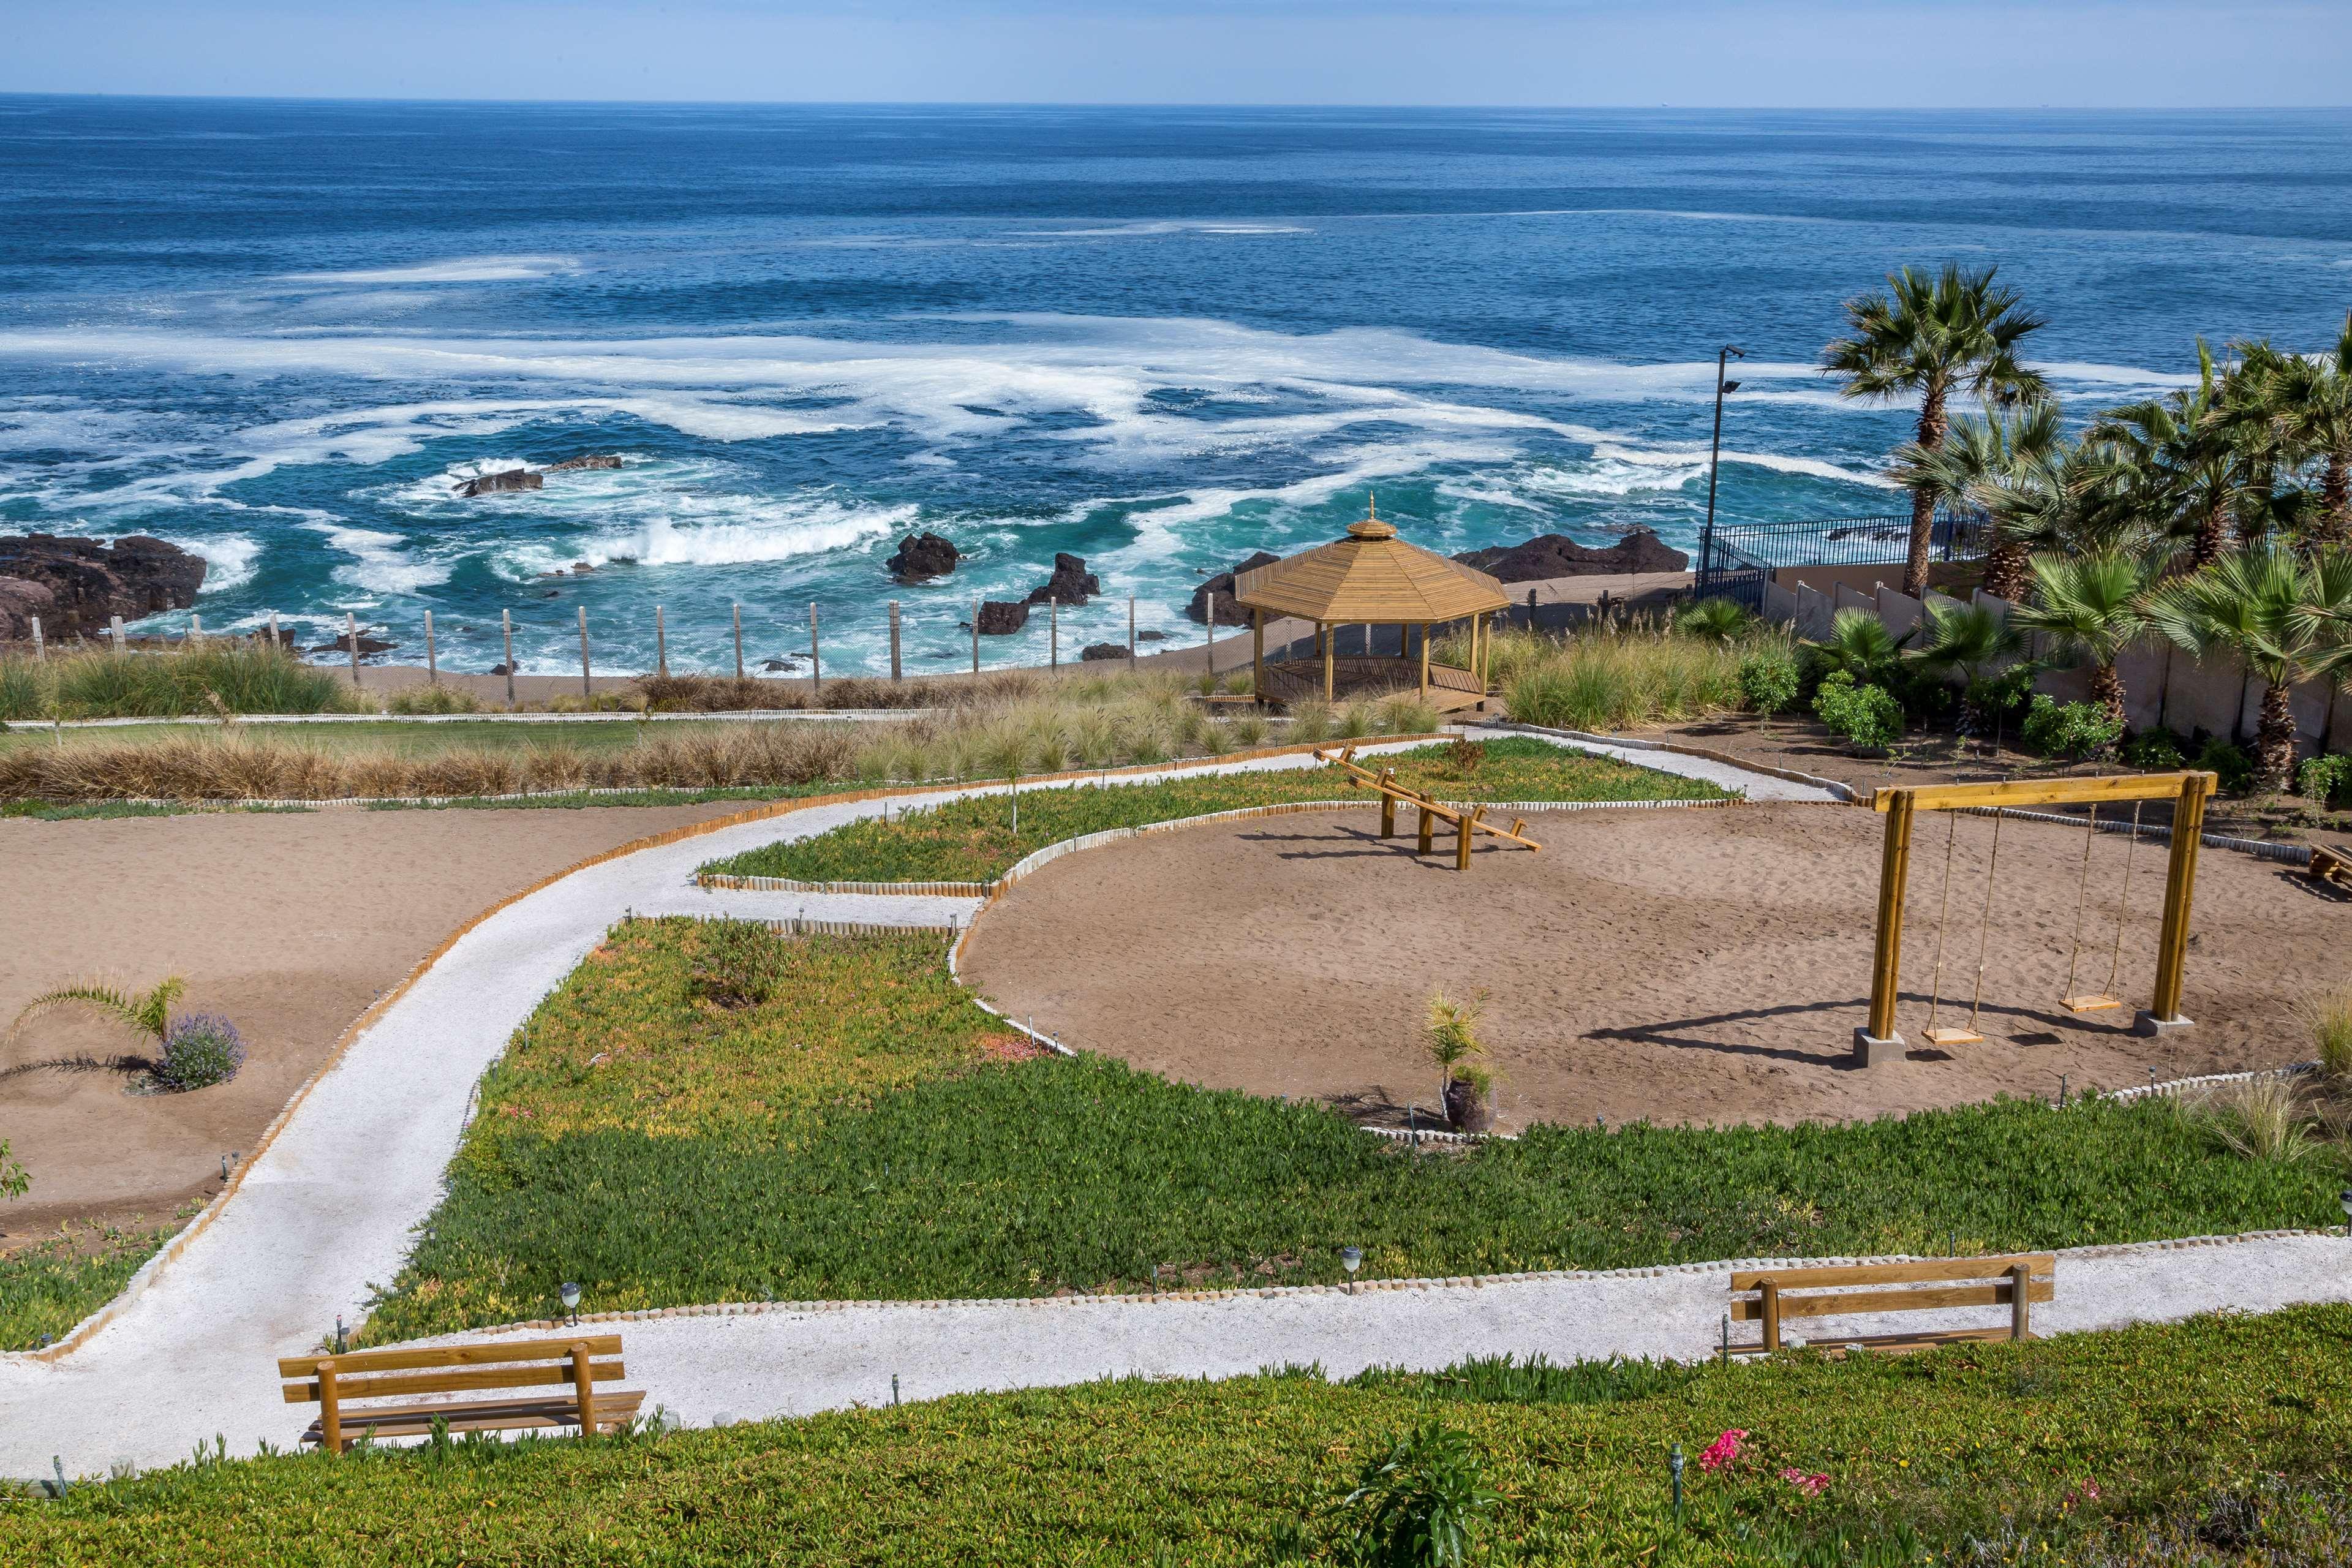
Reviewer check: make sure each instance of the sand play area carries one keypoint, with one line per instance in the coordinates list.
(290, 924)
(1701, 964)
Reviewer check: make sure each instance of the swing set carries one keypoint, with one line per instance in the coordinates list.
(1877, 1041)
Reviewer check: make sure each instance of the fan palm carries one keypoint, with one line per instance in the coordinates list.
(2092, 607)
(1970, 638)
(2287, 616)
(1978, 455)
(1716, 620)
(1860, 645)
(149, 1011)
(2073, 498)
(2245, 413)
(1931, 338)
(2311, 406)
(2191, 468)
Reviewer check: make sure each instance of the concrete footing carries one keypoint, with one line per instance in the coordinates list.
(2147, 1023)
(1870, 1051)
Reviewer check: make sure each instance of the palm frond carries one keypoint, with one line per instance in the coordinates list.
(149, 1011)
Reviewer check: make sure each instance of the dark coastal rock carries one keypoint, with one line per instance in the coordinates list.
(342, 643)
(591, 461)
(779, 665)
(505, 479)
(1000, 618)
(1070, 584)
(922, 555)
(1151, 637)
(75, 584)
(1556, 555)
(1218, 591)
(1104, 650)
(497, 669)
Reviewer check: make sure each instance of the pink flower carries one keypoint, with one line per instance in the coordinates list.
(2082, 1492)
(1723, 1450)
(1812, 1486)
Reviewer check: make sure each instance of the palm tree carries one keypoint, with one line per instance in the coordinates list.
(1956, 333)
(2191, 467)
(1860, 645)
(2074, 498)
(2245, 413)
(1977, 457)
(1970, 638)
(149, 1011)
(2311, 406)
(2092, 607)
(2286, 615)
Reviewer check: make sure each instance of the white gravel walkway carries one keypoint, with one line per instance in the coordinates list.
(327, 1209)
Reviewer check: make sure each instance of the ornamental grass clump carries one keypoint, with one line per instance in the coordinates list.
(200, 1050)
(2331, 1032)
(1420, 1505)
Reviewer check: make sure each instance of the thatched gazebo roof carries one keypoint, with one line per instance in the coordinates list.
(1371, 576)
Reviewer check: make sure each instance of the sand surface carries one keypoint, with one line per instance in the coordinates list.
(291, 925)
(1702, 964)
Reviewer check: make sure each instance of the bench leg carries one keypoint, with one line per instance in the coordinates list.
(1771, 1307)
(2021, 1302)
(330, 1413)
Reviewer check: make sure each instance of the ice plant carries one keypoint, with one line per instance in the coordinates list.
(1723, 1451)
(1812, 1486)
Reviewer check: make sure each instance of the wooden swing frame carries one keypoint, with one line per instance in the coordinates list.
(1877, 1041)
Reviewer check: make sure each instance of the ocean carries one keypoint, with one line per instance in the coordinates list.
(280, 334)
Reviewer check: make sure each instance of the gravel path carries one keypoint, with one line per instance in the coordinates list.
(326, 1211)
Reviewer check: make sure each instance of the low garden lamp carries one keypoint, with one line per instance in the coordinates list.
(2345, 1197)
(1352, 1259)
(569, 1292)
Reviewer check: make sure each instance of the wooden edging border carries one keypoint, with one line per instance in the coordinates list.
(81, 1332)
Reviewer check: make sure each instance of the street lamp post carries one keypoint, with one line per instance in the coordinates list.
(1714, 463)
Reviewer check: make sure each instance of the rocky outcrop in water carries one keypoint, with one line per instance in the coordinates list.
(1000, 618)
(76, 584)
(368, 646)
(1218, 591)
(1104, 650)
(1557, 555)
(504, 479)
(1070, 584)
(922, 556)
(591, 461)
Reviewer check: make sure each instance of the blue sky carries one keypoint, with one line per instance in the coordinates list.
(1804, 53)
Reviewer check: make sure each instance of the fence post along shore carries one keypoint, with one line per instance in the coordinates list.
(1130, 628)
(1053, 634)
(584, 651)
(661, 646)
(40, 648)
(816, 664)
(352, 637)
(739, 640)
(119, 646)
(432, 660)
(506, 630)
(894, 640)
(975, 633)
(195, 628)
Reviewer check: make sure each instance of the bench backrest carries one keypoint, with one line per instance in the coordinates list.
(1838, 1290)
(330, 1380)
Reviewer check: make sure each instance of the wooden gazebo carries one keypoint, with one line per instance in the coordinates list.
(1371, 578)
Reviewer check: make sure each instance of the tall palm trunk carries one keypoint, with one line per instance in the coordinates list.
(2107, 691)
(1932, 427)
(2274, 740)
(2212, 532)
(2334, 502)
(2007, 569)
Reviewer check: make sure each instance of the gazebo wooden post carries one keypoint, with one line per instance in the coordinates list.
(1330, 640)
(1425, 661)
(1257, 655)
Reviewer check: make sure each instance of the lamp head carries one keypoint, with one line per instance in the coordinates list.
(2345, 1197)
(1352, 1257)
(569, 1292)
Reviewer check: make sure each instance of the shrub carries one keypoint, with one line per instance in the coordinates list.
(2069, 730)
(1716, 620)
(434, 698)
(200, 1050)
(736, 963)
(1868, 716)
(1767, 679)
(2156, 751)
(2229, 762)
(2322, 779)
(1420, 1505)
(24, 692)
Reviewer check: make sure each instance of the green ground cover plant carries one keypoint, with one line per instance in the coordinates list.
(222, 674)
(47, 1287)
(973, 840)
(2199, 1443)
(867, 1132)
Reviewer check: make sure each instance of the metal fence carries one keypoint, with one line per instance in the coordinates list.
(1736, 560)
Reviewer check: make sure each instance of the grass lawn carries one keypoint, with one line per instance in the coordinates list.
(2213, 1441)
(859, 1134)
(972, 840)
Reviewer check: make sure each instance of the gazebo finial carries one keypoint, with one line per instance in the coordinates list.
(1371, 526)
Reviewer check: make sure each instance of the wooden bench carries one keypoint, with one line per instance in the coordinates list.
(1837, 1290)
(337, 1383)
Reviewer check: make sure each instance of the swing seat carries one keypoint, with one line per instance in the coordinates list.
(1953, 1037)
(2089, 1004)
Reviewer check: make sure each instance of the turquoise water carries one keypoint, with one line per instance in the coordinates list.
(280, 332)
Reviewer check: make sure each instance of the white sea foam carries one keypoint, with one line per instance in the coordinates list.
(458, 269)
(230, 559)
(380, 562)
